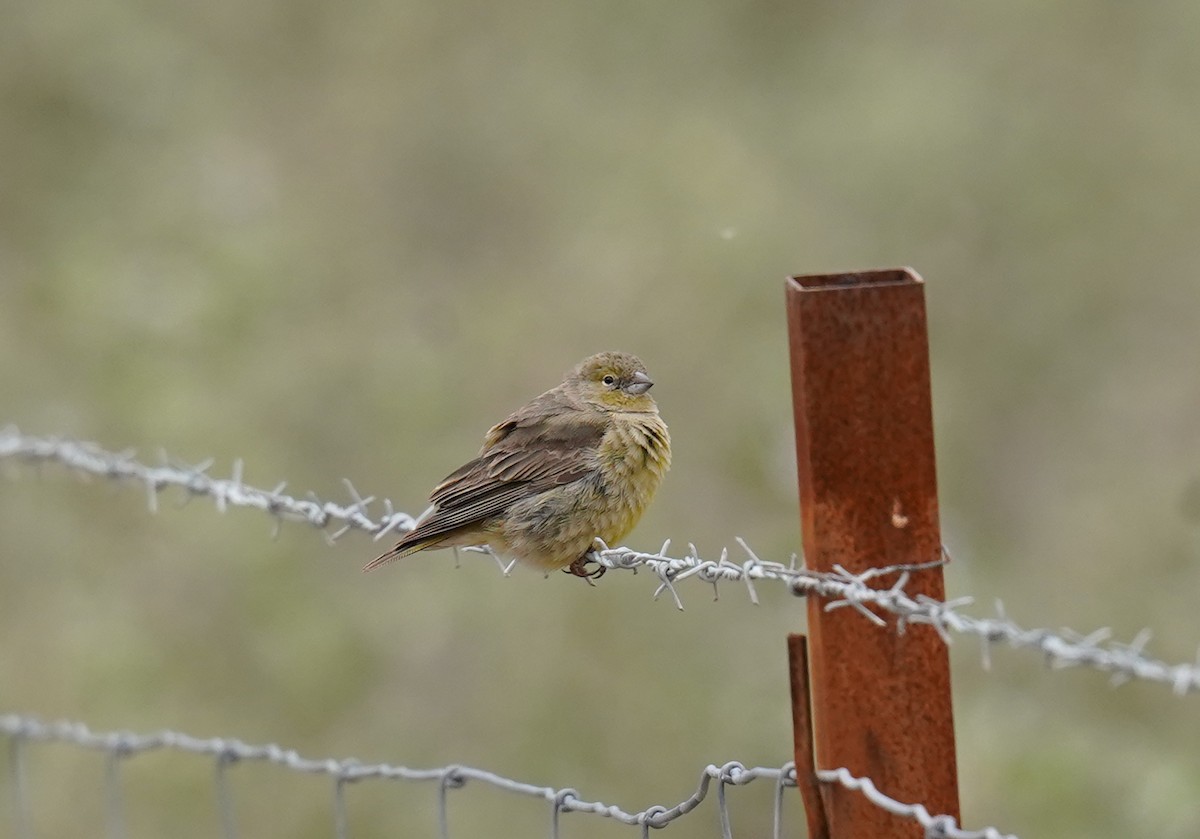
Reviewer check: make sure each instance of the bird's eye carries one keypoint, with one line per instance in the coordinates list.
(610, 380)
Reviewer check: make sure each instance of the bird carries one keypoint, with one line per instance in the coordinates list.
(579, 462)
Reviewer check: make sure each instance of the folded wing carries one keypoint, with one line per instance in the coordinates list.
(528, 453)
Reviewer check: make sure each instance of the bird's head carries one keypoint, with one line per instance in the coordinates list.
(613, 381)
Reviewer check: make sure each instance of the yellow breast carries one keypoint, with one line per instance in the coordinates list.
(634, 454)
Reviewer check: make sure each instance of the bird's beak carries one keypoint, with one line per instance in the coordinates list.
(639, 383)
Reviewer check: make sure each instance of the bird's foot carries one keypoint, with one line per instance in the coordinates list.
(579, 568)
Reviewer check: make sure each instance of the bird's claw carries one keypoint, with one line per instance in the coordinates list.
(579, 568)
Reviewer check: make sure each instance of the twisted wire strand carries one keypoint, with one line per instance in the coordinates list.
(123, 745)
(1061, 649)
(936, 826)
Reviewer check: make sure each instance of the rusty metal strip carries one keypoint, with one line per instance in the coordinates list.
(802, 735)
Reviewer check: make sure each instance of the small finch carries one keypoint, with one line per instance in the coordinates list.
(578, 462)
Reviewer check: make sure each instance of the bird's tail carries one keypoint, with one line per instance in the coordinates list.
(407, 544)
(401, 549)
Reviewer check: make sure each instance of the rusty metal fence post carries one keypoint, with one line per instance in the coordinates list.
(868, 499)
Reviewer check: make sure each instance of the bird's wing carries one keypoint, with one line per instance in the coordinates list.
(545, 410)
(526, 454)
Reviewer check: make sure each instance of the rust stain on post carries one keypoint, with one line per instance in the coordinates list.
(868, 498)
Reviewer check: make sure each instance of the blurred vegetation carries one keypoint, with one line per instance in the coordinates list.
(340, 240)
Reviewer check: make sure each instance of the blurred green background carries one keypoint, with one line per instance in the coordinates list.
(340, 240)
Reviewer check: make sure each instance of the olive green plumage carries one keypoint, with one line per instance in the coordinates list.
(580, 461)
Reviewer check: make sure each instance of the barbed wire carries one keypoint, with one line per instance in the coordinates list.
(1061, 649)
(119, 746)
(936, 826)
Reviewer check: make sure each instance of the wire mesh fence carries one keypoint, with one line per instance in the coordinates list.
(120, 746)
